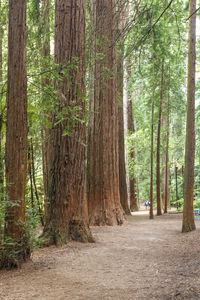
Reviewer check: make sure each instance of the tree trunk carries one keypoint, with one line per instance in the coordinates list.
(67, 216)
(188, 213)
(103, 164)
(151, 216)
(16, 134)
(159, 211)
(45, 84)
(31, 178)
(167, 170)
(131, 129)
(1, 123)
(121, 144)
(34, 183)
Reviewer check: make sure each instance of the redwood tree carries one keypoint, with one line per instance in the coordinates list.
(16, 133)
(121, 143)
(45, 84)
(103, 170)
(188, 213)
(67, 212)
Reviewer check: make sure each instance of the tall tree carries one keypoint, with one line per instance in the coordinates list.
(132, 182)
(67, 213)
(152, 140)
(120, 79)
(1, 118)
(166, 177)
(188, 213)
(16, 133)
(103, 169)
(45, 57)
(159, 212)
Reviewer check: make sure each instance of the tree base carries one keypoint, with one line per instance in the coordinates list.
(188, 227)
(134, 208)
(76, 230)
(80, 232)
(108, 218)
(127, 212)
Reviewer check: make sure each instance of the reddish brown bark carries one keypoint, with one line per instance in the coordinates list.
(45, 84)
(188, 213)
(16, 133)
(67, 212)
(131, 129)
(103, 169)
(121, 143)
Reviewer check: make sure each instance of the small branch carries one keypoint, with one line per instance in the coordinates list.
(193, 14)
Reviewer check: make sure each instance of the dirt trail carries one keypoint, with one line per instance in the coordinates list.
(143, 259)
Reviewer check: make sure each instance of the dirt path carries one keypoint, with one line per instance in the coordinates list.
(143, 259)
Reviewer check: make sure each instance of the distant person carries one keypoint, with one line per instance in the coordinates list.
(146, 204)
(149, 203)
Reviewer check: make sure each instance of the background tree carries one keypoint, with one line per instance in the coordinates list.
(122, 15)
(188, 213)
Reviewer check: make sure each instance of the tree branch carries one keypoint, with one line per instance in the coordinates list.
(193, 14)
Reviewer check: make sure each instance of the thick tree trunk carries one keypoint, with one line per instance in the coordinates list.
(121, 144)
(16, 134)
(103, 164)
(67, 215)
(159, 211)
(188, 213)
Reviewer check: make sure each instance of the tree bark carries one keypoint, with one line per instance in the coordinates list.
(45, 84)
(167, 169)
(121, 143)
(34, 183)
(103, 160)
(131, 129)
(159, 211)
(30, 177)
(188, 213)
(151, 216)
(1, 123)
(67, 215)
(16, 133)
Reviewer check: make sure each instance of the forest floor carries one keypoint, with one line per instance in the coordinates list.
(143, 259)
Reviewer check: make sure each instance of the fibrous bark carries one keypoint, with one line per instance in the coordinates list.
(103, 169)
(45, 53)
(131, 129)
(188, 213)
(67, 212)
(121, 144)
(16, 133)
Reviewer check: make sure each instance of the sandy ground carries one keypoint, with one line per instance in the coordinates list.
(143, 259)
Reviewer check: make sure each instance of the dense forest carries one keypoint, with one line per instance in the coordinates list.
(97, 116)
